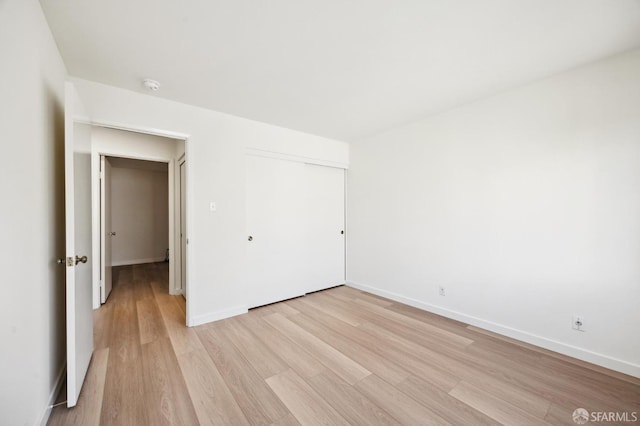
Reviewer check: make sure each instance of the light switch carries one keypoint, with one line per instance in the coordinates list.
(212, 206)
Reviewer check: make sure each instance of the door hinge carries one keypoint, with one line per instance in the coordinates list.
(101, 174)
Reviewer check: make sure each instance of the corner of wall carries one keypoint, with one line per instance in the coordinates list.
(217, 315)
(44, 418)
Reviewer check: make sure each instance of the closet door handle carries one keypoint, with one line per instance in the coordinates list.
(250, 238)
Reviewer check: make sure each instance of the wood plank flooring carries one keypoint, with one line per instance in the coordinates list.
(340, 356)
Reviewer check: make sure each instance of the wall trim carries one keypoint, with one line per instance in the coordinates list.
(291, 157)
(533, 339)
(217, 315)
(138, 261)
(44, 418)
(139, 129)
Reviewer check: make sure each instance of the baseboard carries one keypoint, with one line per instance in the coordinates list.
(44, 418)
(137, 261)
(217, 315)
(176, 292)
(533, 339)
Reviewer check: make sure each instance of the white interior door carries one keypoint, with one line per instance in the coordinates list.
(325, 240)
(276, 230)
(78, 244)
(106, 233)
(183, 228)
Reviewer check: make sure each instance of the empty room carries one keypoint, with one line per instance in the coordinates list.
(326, 212)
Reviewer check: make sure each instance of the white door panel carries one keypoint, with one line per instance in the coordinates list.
(325, 227)
(79, 310)
(295, 219)
(275, 212)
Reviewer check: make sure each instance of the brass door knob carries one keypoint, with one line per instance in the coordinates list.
(82, 259)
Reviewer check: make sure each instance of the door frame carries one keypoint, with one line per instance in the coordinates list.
(181, 219)
(95, 198)
(105, 187)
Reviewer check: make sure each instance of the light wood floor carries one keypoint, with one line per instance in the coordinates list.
(340, 356)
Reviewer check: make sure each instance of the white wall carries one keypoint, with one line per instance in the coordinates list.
(139, 215)
(215, 154)
(121, 143)
(32, 189)
(524, 206)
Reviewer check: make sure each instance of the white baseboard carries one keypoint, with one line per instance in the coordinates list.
(218, 315)
(44, 418)
(543, 342)
(137, 261)
(176, 291)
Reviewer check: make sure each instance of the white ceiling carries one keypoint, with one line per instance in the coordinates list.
(336, 68)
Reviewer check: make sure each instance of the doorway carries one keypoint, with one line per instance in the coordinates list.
(134, 212)
(130, 154)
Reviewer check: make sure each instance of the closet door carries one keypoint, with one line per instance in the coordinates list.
(276, 228)
(325, 241)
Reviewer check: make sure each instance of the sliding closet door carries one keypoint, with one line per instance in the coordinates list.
(276, 215)
(325, 242)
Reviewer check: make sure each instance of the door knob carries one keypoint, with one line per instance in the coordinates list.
(112, 233)
(342, 232)
(82, 259)
(250, 238)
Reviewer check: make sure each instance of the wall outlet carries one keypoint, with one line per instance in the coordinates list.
(441, 291)
(577, 323)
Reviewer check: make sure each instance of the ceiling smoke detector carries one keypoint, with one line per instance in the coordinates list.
(151, 84)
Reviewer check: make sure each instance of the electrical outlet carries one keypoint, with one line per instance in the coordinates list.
(577, 323)
(441, 291)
